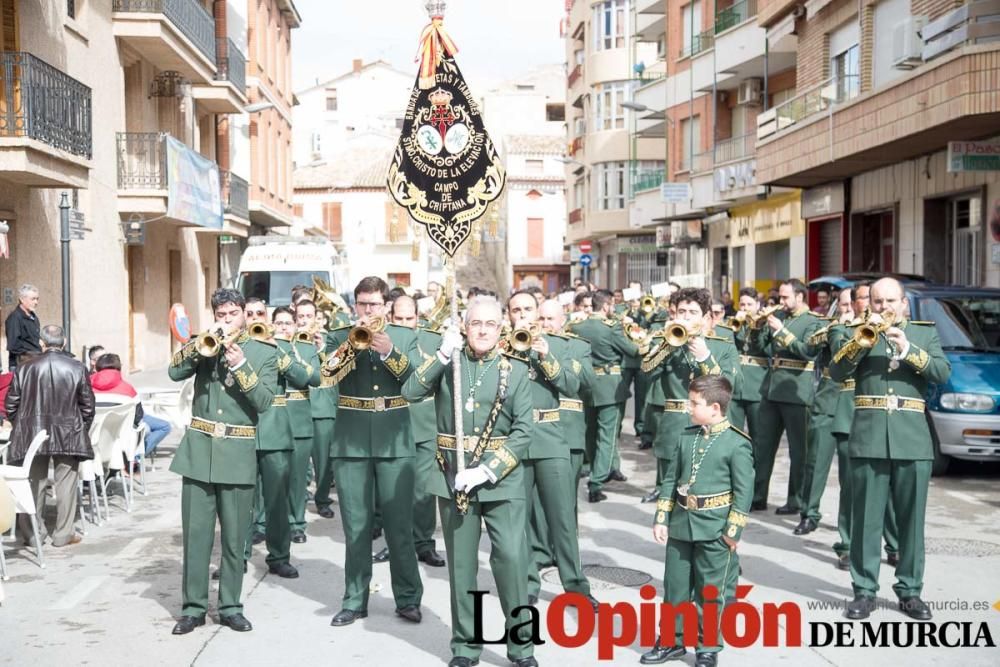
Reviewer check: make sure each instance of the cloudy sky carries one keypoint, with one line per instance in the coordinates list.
(497, 39)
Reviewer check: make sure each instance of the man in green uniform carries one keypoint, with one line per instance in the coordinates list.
(374, 452)
(673, 367)
(217, 458)
(654, 394)
(497, 427)
(704, 502)
(546, 465)
(890, 445)
(274, 452)
(786, 394)
(636, 382)
(608, 346)
(754, 363)
(323, 405)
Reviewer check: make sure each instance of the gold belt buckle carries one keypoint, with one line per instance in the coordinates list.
(892, 403)
(380, 404)
(692, 502)
(219, 430)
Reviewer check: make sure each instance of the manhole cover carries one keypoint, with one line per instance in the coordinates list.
(604, 577)
(960, 547)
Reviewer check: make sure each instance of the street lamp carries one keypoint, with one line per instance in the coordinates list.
(258, 106)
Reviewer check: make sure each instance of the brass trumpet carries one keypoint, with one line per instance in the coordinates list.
(760, 319)
(520, 340)
(210, 343)
(739, 320)
(647, 305)
(676, 334)
(360, 337)
(261, 331)
(866, 335)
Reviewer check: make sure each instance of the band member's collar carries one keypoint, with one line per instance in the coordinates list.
(712, 429)
(800, 311)
(486, 357)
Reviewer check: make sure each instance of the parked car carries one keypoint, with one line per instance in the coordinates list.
(963, 413)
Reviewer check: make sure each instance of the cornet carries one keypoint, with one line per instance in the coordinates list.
(360, 337)
(866, 335)
(647, 305)
(677, 334)
(740, 319)
(520, 340)
(210, 343)
(760, 319)
(261, 331)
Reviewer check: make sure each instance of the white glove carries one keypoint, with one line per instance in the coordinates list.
(470, 478)
(450, 341)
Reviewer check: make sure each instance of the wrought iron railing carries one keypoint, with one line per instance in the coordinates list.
(647, 180)
(232, 64)
(188, 16)
(737, 148)
(142, 161)
(735, 14)
(699, 43)
(235, 194)
(40, 102)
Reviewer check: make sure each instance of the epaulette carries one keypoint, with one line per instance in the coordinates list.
(267, 342)
(428, 330)
(710, 336)
(611, 322)
(921, 323)
(346, 326)
(725, 326)
(559, 334)
(570, 334)
(820, 315)
(733, 428)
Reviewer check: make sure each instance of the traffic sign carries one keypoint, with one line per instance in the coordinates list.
(586, 260)
(586, 247)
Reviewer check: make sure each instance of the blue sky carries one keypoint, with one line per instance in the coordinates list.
(497, 39)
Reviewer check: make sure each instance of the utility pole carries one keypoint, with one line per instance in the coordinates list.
(64, 242)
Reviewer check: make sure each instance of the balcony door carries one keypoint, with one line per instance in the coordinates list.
(10, 91)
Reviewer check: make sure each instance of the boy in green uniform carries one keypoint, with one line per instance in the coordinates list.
(497, 428)
(217, 458)
(704, 502)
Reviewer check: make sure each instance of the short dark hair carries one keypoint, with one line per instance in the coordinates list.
(395, 293)
(823, 289)
(533, 290)
(797, 286)
(304, 302)
(370, 285)
(282, 310)
(92, 349)
(108, 360)
(600, 298)
(256, 299)
(675, 286)
(519, 292)
(698, 295)
(299, 290)
(749, 291)
(226, 295)
(714, 389)
(578, 299)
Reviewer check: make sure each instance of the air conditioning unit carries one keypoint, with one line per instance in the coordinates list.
(750, 92)
(907, 43)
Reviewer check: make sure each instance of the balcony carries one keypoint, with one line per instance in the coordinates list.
(227, 93)
(699, 44)
(235, 195)
(576, 146)
(159, 177)
(176, 35)
(575, 216)
(734, 15)
(702, 162)
(45, 124)
(649, 179)
(574, 76)
(821, 97)
(737, 148)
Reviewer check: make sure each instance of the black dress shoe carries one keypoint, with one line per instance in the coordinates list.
(532, 600)
(299, 537)
(758, 506)
(237, 622)
(786, 510)
(596, 496)
(411, 613)
(186, 624)
(258, 538)
(892, 559)
(284, 570)
(616, 476)
(652, 496)
(525, 662)
(645, 445)
(376, 533)
(347, 616)
(915, 608)
(594, 603)
(432, 558)
(805, 527)
(844, 561)
(461, 661)
(659, 654)
(860, 607)
(327, 513)
(381, 556)
(706, 659)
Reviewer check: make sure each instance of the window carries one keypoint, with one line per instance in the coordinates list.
(611, 188)
(331, 99)
(398, 279)
(536, 238)
(332, 221)
(317, 143)
(690, 25)
(555, 112)
(71, 8)
(608, 111)
(610, 19)
(579, 194)
(690, 140)
(534, 167)
(845, 60)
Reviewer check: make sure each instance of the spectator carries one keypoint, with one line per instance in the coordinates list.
(718, 312)
(51, 393)
(823, 301)
(93, 354)
(727, 301)
(108, 380)
(22, 326)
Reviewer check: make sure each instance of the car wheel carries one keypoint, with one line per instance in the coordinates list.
(941, 461)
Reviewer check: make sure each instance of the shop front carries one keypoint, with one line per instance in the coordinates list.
(767, 239)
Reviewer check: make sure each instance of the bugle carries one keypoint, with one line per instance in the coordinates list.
(260, 331)
(360, 337)
(210, 343)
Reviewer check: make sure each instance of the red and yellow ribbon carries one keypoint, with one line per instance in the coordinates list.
(435, 43)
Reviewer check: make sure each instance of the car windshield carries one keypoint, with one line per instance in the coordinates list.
(964, 323)
(275, 287)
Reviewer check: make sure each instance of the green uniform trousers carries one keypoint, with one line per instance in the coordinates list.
(425, 504)
(321, 441)
(690, 566)
(745, 415)
(504, 521)
(390, 483)
(775, 417)
(552, 480)
(603, 445)
(298, 475)
(873, 483)
(540, 541)
(637, 384)
(648, 433)
(822, 447)
(201, 502)
(889, 532)
(271, 506)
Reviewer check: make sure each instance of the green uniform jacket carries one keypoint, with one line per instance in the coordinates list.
(827, 391)
(754, 363)
(299, 404)
(889, 409)
(274, 432)
(423, 418)
(373, 420)
(790, 384)
(723, 479)
(512, 430)
(630, 360)
(673, 369)
(221, 398)
(723, 331)
(608, 347)
(571, 407)
(654, 393)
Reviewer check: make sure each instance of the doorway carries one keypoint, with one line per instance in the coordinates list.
(873, 242)
(953, 239)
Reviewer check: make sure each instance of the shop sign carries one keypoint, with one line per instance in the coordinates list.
(736, 176)
(823, 200)
(973, 156)
(675, 193)
(776, 219)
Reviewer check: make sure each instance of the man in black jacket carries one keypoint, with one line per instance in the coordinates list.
(51, 393)
(22, 326)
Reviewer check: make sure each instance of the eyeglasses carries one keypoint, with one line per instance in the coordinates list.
(489, 325)
(370, 304)
(258, 313)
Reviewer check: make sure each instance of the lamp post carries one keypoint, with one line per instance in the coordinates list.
(64, 245)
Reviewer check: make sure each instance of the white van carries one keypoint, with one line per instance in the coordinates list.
(272, 265)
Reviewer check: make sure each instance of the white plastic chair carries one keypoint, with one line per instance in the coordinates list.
(24, 500)
(92, 476)
(115, 438)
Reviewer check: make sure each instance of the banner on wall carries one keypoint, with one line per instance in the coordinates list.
(193, 187)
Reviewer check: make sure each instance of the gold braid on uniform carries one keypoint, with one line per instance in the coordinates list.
(345, 364)
(851, 350)
(190, 349)
(461, 497)
(656, 357)
(820, 337)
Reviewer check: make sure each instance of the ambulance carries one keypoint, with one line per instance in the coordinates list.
(272, 265)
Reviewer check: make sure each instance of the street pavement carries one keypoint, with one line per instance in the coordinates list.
(112, 599)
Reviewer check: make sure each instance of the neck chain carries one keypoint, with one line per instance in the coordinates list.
(470, 402)
(696, 460)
